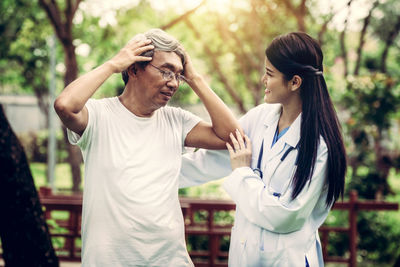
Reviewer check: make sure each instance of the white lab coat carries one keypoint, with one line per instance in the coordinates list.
(268, 230)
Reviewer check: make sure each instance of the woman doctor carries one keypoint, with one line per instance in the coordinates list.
(286, 180)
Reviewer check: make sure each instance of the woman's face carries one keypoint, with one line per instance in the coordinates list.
(277, 88)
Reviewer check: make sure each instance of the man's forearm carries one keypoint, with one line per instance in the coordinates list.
(223, 121)
(77, 93)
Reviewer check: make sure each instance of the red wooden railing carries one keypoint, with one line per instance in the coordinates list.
(69, 229)
(207, 226)
(353, 206)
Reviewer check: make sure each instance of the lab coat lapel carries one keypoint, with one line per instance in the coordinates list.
(290, 138)
(276, 149)
(271, 122)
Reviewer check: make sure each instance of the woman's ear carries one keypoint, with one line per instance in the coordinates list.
(295, 82)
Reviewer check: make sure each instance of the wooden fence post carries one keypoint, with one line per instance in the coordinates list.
(353, 228)
(212, 239)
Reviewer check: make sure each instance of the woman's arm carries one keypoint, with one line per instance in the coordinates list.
(261, 207)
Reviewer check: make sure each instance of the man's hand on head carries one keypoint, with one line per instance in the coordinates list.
(189, 71)
(131, 52)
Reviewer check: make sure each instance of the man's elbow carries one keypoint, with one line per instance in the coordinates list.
(62, 108)
(224, 131)
(59, 105)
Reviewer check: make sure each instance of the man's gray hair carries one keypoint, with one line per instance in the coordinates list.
(161, 41)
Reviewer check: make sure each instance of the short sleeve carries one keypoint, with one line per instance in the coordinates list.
(83, 140)
(189, 120)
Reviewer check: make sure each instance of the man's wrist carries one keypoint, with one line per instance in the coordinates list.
(109, 65)
(194, 80)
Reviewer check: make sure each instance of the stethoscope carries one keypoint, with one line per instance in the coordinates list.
(258, 169)
(260, 155)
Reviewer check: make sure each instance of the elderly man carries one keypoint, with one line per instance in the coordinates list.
(132, 146)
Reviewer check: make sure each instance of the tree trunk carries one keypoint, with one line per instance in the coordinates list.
(62, 23)
(71, 65)
(388, 43)
(367, 20)
(383, 165)
(74, 154)
(24, 233)
(299, 12)
(343, 41)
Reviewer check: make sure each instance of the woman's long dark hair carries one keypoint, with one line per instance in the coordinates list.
(297, 53)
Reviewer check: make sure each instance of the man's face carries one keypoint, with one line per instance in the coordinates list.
(156, 90)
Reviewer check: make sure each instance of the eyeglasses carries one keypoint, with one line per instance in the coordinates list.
(169, 75)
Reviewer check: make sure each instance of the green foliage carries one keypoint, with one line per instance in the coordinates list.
(185, 95)
(378, 237)
(387, 15)
(372, 103)
(372, 100)
(27, 53)
(12, 16)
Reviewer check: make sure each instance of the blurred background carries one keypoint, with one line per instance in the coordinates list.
(44, 45)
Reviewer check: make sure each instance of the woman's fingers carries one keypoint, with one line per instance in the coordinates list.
(230, 149)
(234, 142)
(240, 140)
(248, 142)
(240, 152)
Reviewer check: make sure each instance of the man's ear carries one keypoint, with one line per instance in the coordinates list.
(295, 82)
(132, 70)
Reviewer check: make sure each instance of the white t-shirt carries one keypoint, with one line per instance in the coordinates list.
(131, 213)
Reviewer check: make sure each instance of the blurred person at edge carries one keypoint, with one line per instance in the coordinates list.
(132, 146)
(286, 179)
